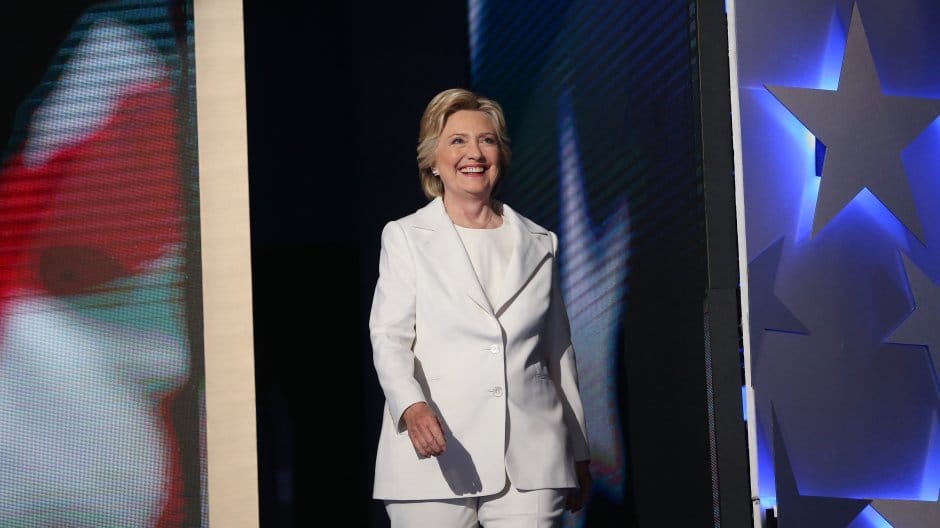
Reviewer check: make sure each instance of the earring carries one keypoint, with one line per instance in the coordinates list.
(434, 172)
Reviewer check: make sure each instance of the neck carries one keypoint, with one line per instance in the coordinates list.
(479, 214)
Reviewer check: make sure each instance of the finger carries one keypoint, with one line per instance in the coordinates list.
(437, 437)
(425, 444)
(430, 435)
(571, 501)
(577, 498)
(430, 446)
(419, 444)
(582, 497)
(433, 449)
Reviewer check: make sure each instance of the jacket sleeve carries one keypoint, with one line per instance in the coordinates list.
(563, 366)
(392, 323)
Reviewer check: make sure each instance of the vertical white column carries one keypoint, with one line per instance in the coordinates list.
(757, 510)
(226, 265)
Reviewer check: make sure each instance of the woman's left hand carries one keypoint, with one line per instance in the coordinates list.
(577, 497)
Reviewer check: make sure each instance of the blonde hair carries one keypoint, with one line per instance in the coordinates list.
(441, 107)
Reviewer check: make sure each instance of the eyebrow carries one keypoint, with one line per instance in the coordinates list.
(494, 134)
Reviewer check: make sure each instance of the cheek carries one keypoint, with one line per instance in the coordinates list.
(495, 173)
(444, 158)
(494, 156)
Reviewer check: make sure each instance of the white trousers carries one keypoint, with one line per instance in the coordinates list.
(510, 508)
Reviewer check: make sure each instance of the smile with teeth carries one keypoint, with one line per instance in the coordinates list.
(471, 170)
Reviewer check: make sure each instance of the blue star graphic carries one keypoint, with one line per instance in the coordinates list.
(794, 509)
(920, 326)
(864, 131)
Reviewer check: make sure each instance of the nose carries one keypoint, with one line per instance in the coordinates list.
(474, 151)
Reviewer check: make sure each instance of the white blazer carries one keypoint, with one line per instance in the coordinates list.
(502, 378)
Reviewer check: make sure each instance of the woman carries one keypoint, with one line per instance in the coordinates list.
(472, 346)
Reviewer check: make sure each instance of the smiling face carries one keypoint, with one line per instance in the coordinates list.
(467, 156)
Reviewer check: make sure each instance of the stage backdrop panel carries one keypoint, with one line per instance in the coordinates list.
(837, 152)
(109, 258)
(601, 100)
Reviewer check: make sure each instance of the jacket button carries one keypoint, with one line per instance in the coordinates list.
(494, 349)
(497, 391)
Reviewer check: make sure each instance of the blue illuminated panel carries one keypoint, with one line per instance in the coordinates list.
(852, 378)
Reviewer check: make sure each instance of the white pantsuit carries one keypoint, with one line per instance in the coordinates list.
(502, 378)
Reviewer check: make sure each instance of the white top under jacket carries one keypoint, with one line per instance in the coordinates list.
(490, 251)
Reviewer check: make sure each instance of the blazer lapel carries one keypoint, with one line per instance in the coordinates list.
(445, 248)
(533, 247)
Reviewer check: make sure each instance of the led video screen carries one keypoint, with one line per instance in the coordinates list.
(101, 364)
(600, 103)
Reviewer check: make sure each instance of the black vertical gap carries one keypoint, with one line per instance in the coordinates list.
(334, 94)
(728, 443)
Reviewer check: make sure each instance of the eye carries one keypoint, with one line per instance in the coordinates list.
(489, 140)
(457, 141)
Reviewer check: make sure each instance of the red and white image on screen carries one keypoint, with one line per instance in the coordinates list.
(95, 344)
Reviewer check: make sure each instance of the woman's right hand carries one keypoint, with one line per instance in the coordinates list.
(425, 430)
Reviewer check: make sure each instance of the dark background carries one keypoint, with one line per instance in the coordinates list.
(335, 93)
(30, 35)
